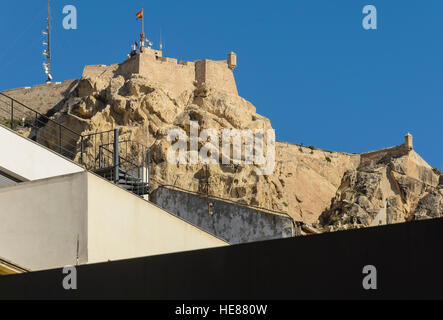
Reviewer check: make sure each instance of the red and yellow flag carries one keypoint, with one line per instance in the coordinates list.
(140, 15)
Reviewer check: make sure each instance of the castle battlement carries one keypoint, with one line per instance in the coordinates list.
(175, 76)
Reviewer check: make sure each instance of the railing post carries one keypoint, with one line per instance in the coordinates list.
(81, 150)
(60, 138)
(12, 114)
(36, 127)
(100, 157)
(148, 158)
(116, 157)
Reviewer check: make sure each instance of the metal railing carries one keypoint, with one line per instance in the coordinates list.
(130, 175)
(90, 149)
(123, 162)
(39, 128)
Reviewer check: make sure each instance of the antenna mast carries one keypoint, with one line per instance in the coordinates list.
(47, 50)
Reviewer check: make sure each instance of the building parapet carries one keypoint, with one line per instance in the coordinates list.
(226, 219)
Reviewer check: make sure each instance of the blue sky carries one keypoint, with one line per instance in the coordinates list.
(308, 65)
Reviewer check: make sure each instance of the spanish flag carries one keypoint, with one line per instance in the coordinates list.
(140, 15)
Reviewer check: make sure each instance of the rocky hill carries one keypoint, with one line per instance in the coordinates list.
(330, 190)
(389, 186)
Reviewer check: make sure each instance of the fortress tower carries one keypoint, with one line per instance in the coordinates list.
(232, 60)
(408, 142)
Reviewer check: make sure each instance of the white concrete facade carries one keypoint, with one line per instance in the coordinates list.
(26, 160)
(41, 221)
(82, 218)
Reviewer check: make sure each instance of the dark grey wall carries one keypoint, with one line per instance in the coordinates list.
(231, 222)
(407, 258)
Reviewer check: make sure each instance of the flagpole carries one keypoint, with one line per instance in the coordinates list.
(143, 24)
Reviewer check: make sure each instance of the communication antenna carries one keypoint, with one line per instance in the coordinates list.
(47, 46)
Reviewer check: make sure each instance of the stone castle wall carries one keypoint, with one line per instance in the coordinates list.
(215, 74)
(176, 77)
(42, 97)
(95, 71)
(371, 158)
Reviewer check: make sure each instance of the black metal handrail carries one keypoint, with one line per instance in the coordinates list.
(38, 114)
(95, 140)
(132, 164)
(126, 172)
(17, 113)
(74, 145)
(123, 148)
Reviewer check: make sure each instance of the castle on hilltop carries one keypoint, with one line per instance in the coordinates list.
(175, 76)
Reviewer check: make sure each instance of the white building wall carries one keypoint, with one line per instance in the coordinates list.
(26, 160)
(122, 225)
(40, 222)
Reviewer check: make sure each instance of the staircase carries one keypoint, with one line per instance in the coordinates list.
(126, 180)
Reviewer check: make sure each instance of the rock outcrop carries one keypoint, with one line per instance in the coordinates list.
(330, 190)
(390, 186)
(302, 184)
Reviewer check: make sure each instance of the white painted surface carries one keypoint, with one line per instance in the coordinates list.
(40, 222)
(122, 225)
(26, 160)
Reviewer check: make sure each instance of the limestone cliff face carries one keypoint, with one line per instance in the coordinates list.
(389, 186)
(330, 190)
(302, 184)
